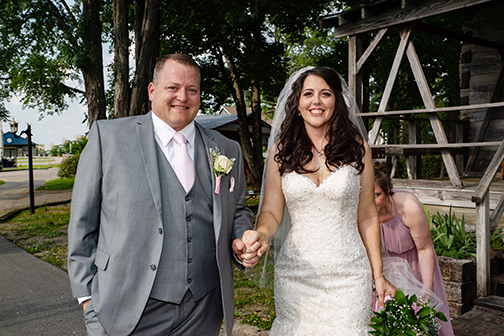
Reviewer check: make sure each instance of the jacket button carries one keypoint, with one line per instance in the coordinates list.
(188, 218)
(160, 230)
(189, 260)
(187, 198)
(189, 239)
(153, 267)
(189, 281)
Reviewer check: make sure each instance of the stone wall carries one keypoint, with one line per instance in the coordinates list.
(459, 277)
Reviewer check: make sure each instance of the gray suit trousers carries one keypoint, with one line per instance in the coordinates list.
(190, 318)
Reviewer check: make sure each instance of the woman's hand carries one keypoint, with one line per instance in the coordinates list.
(383, 288)
(255, 242)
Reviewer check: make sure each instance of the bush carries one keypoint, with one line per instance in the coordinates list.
(450, 237)
(68, 167)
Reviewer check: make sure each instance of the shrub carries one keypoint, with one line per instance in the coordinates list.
(450, 237)
(68, 167)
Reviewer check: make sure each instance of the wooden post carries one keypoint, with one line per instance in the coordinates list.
(354, 76)
(483, 247)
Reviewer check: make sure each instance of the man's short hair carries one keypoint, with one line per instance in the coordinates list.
(179, 58)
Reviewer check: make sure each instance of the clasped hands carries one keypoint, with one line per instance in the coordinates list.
(250, 247)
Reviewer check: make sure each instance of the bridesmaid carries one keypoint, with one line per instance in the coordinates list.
(407, 235)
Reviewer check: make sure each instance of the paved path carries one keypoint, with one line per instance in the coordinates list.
(35, 296)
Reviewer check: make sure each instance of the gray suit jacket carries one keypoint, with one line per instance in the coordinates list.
(113, 238)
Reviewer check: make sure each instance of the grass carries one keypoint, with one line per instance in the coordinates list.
(35, 166)
(44, 234)
(2, 182)
(58, 184)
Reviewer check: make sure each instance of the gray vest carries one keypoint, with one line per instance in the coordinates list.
(188, 260)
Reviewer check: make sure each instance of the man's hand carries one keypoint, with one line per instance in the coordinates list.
(84, 304)
(248, 259)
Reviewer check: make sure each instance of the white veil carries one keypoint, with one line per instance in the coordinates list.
(265, 276)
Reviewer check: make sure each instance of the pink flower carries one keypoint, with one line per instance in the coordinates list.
(416, 308)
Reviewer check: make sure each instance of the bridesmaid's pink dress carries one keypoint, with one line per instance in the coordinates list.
(400, 244)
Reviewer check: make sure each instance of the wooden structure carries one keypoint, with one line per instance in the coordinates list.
(407, 14)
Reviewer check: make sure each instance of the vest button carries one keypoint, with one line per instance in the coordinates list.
(189, 281)
(153, 267)
(188, 218)
(189, 239)
(187, 198)
(160, 231)
(189, 260)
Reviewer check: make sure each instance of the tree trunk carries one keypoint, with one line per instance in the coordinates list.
(121, 59)
(257, 130)
(146, 58)
(256, 104)
(241, 110)
(92, 71)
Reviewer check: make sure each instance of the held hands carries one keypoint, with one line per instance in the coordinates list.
(383, 288)
(250, 247)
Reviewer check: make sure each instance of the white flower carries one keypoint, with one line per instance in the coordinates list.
(221, 164)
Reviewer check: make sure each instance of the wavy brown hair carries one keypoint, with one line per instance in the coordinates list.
(295, 147)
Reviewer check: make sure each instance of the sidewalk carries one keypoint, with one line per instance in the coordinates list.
(35, 296)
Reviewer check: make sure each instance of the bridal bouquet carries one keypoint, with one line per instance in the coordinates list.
(408, 316)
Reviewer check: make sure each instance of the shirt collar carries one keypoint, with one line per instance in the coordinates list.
(165, 132)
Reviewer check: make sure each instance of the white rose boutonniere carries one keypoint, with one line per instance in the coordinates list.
(221, 165)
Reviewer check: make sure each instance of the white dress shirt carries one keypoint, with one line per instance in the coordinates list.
(164, 137)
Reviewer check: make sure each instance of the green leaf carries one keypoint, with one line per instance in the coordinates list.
(441, 316)
(400, 297)
(424, 311)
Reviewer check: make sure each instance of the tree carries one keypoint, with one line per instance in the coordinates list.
(239, 39)
(44, 46)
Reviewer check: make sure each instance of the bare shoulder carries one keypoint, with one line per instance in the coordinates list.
(408, 204)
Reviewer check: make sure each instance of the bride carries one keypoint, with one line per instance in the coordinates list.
(320, 168)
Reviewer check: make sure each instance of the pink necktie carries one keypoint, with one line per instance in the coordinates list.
(184, 165)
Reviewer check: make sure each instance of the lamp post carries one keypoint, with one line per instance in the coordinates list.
(14, 128)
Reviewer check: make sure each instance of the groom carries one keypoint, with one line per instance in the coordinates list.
(150, 240)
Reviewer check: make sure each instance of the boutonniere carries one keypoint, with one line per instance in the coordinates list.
(221, 165)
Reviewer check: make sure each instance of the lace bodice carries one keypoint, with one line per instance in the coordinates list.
(322, 274)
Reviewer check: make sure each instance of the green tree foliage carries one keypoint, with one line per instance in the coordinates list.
(36, 56)
(239, 45)
(68, 167)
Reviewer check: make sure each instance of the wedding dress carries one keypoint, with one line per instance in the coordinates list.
(323, 283)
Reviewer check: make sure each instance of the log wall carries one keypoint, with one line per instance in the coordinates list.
(479, 70)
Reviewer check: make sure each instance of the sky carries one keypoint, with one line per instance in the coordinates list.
(51, 129)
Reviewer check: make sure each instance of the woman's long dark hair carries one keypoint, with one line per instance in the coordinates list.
(295, 147)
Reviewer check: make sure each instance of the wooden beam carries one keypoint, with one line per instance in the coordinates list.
(483, 247)
(440, 145)
(490, 172)
(390, 82)
(434, 110)
(396, 16)
(497, 213)
(370, 48)
(437, 127)
(354, 77)
(486, 120)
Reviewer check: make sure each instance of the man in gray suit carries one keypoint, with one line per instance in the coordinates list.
(150, 245)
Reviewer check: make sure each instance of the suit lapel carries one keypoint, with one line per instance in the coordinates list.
(209, 142)
(147, 141)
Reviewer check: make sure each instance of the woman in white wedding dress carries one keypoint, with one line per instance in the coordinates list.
(320, 167)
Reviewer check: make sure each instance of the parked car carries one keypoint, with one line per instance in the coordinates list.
(5, 163)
